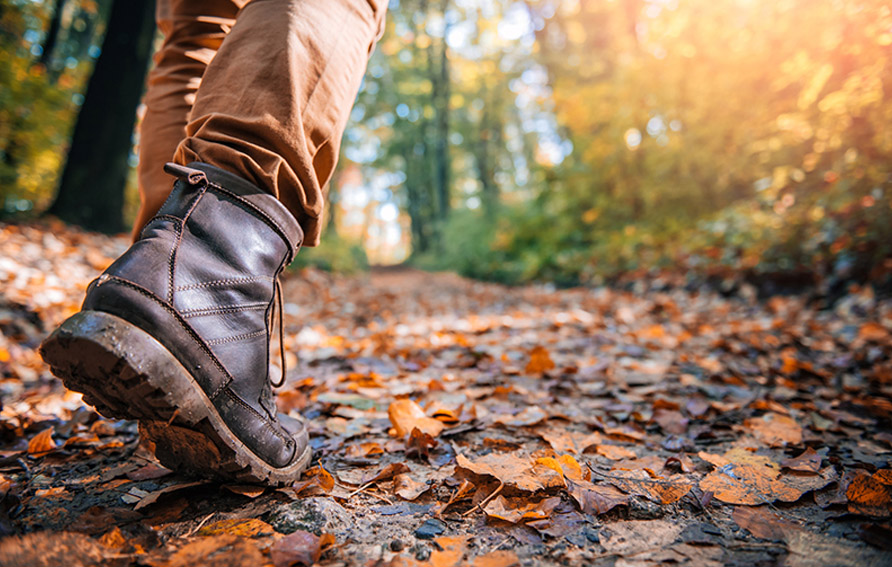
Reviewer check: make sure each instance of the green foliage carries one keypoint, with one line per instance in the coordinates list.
(335, 254)
(38, 106)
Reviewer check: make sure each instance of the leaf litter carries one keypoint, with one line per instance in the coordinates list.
(462, 423)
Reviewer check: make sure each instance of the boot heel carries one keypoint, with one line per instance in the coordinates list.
(120, 369)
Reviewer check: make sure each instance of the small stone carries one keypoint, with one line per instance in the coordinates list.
(314, 515)
(430, 529)
(396, 545)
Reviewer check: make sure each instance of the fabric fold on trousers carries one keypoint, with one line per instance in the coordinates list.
(272, 94)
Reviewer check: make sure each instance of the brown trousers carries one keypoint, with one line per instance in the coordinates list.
(260, 88)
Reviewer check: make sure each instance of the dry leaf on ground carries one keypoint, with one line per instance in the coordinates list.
(514, 471)
(405, 415)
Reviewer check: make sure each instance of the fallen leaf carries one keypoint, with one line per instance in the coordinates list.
(408, 488)
(251, 527)
(753, 485)
(775, 430)
(249, 490)
(450, 551)
(42, 443)
(540, 361)
(657, 489)
(513, 471)
(615, 452)
(387, 473)
(151, 497)
(314, 481)
(871, 495)
(760, 522)
(362, 450)
(517, 510)
(596, 498)
(498, 558)
(405, 415)
(808, 462)
(113, 539)
(531, 415)
(419, 444)
(299, 549)
(564, 441)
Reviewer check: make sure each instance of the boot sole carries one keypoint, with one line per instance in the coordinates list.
(125, 373)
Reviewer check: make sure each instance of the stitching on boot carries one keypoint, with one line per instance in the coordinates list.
(236, 338)
(176, 246)
(188, 313)
(227, 376)
(266, 422)
(214, 283)
(171, 261)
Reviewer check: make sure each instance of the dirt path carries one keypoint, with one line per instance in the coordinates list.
(461, 423)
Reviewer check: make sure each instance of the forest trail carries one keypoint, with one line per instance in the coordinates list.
(464, 423)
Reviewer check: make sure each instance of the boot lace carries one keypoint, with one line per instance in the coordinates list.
(278, 315)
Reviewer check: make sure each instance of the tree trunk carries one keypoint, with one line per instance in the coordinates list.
(91, 193)
(52, 35)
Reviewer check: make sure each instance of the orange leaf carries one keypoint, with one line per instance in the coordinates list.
(315, 481)
(775, 430)
(870, 496)
(42, 443)
(405, 415)
(497, 558)
(615, 452)
(517, 510)
(540, 361)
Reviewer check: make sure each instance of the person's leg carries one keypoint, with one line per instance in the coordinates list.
(193, 31)
(176, 332)
(274, 102)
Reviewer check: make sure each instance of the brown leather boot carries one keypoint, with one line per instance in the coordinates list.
(176, 332)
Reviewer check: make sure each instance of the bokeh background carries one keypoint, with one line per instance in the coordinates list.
(571, 141)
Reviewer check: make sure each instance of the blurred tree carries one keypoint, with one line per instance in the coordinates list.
(91, 192)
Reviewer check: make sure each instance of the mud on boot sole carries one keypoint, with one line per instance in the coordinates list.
(125, 373)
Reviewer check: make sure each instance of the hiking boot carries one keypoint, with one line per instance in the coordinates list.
(176, 332)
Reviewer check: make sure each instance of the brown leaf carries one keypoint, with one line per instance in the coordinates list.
(409, 488)
(657, 489)
(517, 510)
(871, 495)
(249, 490)
(540, 361)
(405, 415)
(297, 549)
(596, 498)
(42, 443)
(250, 527)
(387, 473)
(450, 553)
(807, 462)
(775, 430)
(314, 481)
(531, 415)
(497, 558)
(753, 484)
(114, 539)
(760, 522)
(615, 452)
(513, 471)
(153, 497)
(362, 450)
(419, 444)
(464, 491)
(565, 441)
(566, 466)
